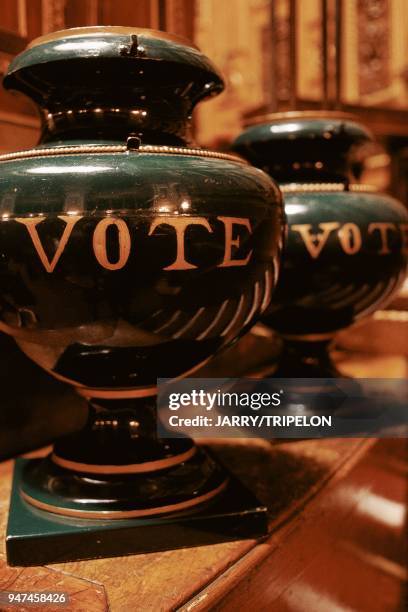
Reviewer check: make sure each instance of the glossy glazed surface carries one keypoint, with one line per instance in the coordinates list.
(303, 149)
(107, 82)
(346, 252)
(345, 255)
(120, 263)
(105, 317)
(117, 268)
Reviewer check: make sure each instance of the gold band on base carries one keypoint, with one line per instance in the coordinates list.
(135, 468)
(124, 514)
(109, 30)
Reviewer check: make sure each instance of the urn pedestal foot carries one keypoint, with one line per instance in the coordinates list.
(127, 256)
(305, 358)
(310, 376)
(37, 537)
(116, 487)
(116, 467)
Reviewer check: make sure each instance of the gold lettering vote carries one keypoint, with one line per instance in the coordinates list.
(383, 229)
(315, 242)
(230, 242)
(350, 238)
(180, 225)
(31, 225)
(99, 243)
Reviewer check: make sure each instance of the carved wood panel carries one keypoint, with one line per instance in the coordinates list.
(374, 29)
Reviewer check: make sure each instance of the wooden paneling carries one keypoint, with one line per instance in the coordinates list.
(11, 43)
(179, 17)
(9, 15)
(232, 35)
(126, 13)
(81, 13)
(18, 125)
(34, 25)
(23, 20)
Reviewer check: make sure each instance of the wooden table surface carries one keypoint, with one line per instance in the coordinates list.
(284, 476)
(300, 482)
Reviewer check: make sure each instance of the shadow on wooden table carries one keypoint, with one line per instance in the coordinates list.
(34, 407)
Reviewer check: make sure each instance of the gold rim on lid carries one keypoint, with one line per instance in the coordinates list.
(110, 30)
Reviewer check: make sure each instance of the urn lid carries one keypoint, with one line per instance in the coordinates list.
(62, 59)
(150, 78)
(304, 145)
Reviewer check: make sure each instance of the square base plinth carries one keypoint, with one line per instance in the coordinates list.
(36, 537)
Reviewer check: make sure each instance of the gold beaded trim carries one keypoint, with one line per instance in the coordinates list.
(319, 187)
(151, 149)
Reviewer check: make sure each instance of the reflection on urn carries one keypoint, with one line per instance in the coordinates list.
(346, 251)
(127, 260)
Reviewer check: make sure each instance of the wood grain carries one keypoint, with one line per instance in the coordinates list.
(287, 477)
(300, 482)
(332, 556)
(83, 595)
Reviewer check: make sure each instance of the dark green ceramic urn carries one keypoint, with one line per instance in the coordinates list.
(126, 255)
(346, 251)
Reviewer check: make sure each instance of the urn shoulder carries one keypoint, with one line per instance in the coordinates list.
(121, 246)
(346, 249)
